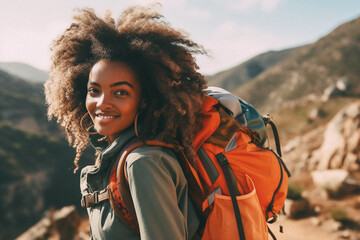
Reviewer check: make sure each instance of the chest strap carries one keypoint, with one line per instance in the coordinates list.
(96, 197)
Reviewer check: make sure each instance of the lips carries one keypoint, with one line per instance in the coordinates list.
(104, 117)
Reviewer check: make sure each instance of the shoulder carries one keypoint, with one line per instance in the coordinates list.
(153, 159)
(150, 153)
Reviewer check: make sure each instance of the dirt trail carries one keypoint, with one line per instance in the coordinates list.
(300, 230)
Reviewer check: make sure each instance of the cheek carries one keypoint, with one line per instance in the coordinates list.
(90, 104)
(132, 109)
(87, 103)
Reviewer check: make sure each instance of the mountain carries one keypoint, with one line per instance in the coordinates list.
(35, 159)
(309, 70)
(24, 71)
(22, 104)
(241, 74)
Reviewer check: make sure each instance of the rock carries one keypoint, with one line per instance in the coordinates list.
(315, 221)
(40, 231)
(337, 182)
(330, 92)
(56, 225)
(293, 144)
(331, 225)
(342, 84)
(341, 145)
(317, 209)
(296, 209)
(82, 236)
(345, 234)
(315, 114)
(299, 151)
(66, 221)
(335, 89)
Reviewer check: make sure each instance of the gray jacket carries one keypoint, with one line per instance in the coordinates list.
(158, 188)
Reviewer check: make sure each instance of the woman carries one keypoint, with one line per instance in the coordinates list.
(113, 81)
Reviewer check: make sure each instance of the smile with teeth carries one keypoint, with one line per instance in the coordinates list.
(105, 117)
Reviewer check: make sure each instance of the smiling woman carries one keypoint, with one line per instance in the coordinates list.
(113, 98)
(113, 82)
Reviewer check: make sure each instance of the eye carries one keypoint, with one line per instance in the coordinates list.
(92, 90)
(121, 93)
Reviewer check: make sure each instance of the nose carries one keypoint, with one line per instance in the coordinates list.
(104, 102)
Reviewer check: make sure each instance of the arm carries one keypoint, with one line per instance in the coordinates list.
(155, 188)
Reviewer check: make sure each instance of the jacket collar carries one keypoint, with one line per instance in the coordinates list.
(108, 151)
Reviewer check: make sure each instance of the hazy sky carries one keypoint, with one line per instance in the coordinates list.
(232, 30)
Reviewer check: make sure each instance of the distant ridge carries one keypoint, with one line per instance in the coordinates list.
(308, 70)
(24, 71)
(244, 72)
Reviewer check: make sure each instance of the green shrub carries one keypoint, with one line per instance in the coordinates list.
(339, 215)
(294, 192)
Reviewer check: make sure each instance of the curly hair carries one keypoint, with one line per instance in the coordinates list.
(162, 58)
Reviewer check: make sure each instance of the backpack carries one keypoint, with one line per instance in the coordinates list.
(236, 185)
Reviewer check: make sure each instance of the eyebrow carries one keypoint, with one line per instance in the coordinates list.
(114, 84)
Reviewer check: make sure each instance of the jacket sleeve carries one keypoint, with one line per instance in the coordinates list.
(156, 185)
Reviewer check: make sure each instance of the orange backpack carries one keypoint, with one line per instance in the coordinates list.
(236, 185)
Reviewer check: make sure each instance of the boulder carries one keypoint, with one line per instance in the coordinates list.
(341, 145)
(40, 231)
(342, 84)
(334, 90)
(330, 92)
(314, 114)
(56, 225)
(337, 182)
(297, 209)
(66, 221)
(299, 151)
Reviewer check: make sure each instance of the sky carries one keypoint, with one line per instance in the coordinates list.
(232, 31)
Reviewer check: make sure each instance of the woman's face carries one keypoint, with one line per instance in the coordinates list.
(113, 97)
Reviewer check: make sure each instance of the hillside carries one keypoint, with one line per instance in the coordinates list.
(24, 71)
(35, 159)
(35, 174)
(22, 104)
(309, 70)
(241, 74)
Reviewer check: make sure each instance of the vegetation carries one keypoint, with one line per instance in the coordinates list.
(24, 152)
(339, 215)
(36, 173)
(294, 191)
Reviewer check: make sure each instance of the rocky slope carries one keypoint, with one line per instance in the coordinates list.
(309, 70)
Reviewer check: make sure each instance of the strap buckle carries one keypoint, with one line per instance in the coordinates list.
(93, 198)
(89, 199)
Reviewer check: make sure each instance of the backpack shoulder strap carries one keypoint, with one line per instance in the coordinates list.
(119, 192)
